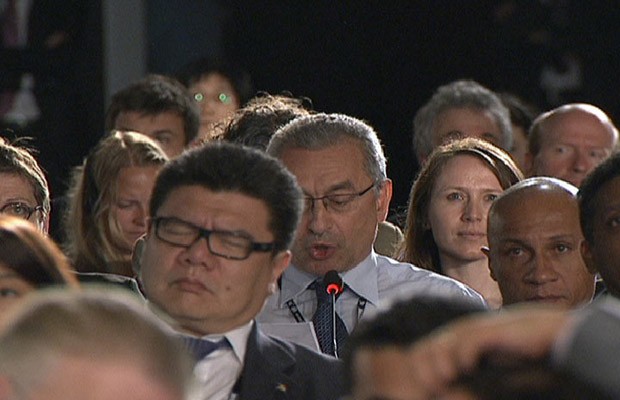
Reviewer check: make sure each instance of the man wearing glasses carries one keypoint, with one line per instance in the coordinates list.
(339, 164)
(222, 219)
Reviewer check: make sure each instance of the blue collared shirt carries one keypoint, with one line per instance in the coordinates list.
(377, 279)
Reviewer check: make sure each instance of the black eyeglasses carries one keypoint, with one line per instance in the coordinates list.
(20, 210)
(337, 203)
(228, 244)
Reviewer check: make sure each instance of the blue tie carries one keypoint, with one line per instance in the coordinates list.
(322, 320)
(200, 348)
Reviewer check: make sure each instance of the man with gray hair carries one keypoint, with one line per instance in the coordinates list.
(462, 108)
(99, 345)
(570, 141)
(339, 164)
(535, 244)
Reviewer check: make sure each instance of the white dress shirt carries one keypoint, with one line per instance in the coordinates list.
(218, 372)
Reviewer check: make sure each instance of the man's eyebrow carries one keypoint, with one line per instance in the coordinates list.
(508, 241)
(339, 186)
(160, 131)
(10, 275)
(567, 237)
(335, 187)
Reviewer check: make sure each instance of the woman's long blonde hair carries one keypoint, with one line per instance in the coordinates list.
(94, 240)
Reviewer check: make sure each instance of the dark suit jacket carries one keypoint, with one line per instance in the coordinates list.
(275, 369)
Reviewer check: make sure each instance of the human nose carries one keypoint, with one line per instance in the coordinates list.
(582, 161)
(543, 270)
(140, 216)
(199, 252)
(473, 210)
(318, 216)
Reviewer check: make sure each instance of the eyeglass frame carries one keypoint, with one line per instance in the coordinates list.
(31, 210)
(354, 196)
(252, 247)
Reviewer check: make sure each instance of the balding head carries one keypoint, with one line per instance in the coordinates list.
(569, 141)
(534, 244)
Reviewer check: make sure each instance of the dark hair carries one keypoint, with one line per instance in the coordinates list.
(419, 246)
(221, 166)
(32, 255)
(402, 324)
(589, 189)
(521, 113)
(255, 123)
(198, 69)
(156, 94)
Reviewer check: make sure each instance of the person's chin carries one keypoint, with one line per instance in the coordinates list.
(549, 299)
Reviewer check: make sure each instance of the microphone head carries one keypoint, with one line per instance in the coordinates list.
(333, 282)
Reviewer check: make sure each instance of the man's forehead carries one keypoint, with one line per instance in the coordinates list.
(208, 190)
(559, 121)
(531, 207)
(605, 198)
(331, 165)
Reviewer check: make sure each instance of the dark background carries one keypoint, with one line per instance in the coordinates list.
(381, 60)
(375, 60)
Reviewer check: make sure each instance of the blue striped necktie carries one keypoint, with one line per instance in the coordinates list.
(200, 348)
(322, 320)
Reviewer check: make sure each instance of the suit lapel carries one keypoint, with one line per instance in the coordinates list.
(267, 369)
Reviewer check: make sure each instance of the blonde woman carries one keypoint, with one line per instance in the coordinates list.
(109, 200)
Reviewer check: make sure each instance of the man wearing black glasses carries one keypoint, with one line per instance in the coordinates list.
(222, 219)
(339, 164)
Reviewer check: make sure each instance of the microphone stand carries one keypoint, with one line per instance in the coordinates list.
(333, 286)
(332, 300)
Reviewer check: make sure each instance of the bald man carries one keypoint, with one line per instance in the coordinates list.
(569, 141)
(534, 244)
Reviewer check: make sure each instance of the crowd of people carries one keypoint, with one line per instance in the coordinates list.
(216, 245)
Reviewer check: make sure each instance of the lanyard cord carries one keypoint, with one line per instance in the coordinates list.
(292, 307)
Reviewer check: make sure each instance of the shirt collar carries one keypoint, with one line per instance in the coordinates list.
(362, 279)
(238, 339)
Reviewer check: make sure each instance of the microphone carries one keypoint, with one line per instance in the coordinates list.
(333, 286)
(333, 283)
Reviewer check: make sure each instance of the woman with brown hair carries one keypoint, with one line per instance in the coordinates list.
(29, 260)
(447, 213)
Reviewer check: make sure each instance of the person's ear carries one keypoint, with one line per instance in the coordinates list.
(279, 263)
(136, 254)
(528, 164)
(487, 252)
(588, 259)
(383, 201)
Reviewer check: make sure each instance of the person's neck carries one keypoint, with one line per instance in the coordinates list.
(475, 274)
